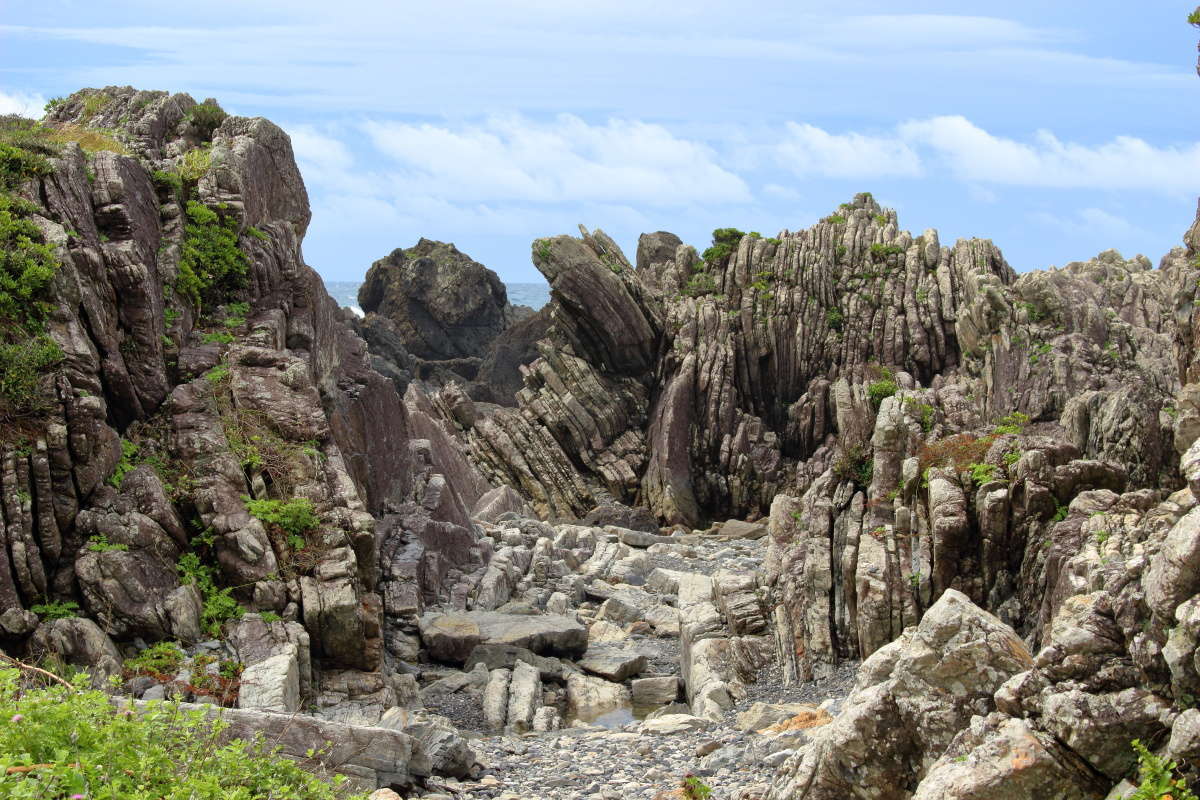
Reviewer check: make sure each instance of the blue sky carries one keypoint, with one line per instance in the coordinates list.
(1056, 129)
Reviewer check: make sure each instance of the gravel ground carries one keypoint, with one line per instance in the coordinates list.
(625, 761)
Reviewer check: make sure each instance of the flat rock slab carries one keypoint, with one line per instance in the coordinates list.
(737, 529)
(614, 664)
(450, 637)
(673, 723)
(639, 539)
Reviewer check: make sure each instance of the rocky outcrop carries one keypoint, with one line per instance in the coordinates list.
(912, 697)
(183, 401)
(443, 305)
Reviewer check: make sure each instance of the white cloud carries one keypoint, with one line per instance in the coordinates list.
(27, 105)
(807, 150)
(1092, 222)
(1125, 162)
(516, 159)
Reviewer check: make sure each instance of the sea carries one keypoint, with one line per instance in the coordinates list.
(534, 295)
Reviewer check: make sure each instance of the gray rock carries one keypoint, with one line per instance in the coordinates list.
(497, 656)
(272, 684)
(451, 637)
(612, 663)
(656, 691)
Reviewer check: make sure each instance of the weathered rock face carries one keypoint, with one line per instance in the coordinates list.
(260, 391)
(912, 698)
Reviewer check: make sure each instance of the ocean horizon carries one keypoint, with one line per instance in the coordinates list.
(534, 295)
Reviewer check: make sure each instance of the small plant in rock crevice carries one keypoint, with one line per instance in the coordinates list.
(1157, 778)
(219, 605)
(55, 609)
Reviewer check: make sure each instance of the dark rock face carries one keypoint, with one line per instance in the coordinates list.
(443, 304)
(499, 379)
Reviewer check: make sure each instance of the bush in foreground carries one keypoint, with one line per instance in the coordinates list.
(72, 742)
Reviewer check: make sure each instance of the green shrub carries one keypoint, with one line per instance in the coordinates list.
(168, 181)
(218, 374)
(880, 252)
(701, 283)
(22, 366)
(836, 219)
(983, 473)
(219, 604)
(194, 164)
(1011, 424)
(18, 165)
(724, 242)
(163, 658)
(834, 318)
(1039, 349)
(204, 119)
(27, 266)
(217, 337)
(1194, 18)
(693, 788)
(74, 741)
(853, 463)
(1157, 778)
(211, 266)
(54, 610)
(922, 411)
(294, 517)
(883, 388)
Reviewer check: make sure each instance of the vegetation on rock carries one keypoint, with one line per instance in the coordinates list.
(212, 267)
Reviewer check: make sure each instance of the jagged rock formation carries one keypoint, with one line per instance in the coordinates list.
(434, 314)
(983, 485)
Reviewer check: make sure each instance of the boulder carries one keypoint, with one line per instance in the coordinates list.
(656, 691)
(763, 715)
(503, 500)
(737, 529)
(524, 697)
(604, 632)
(495, 699)
(622, 516)
(612, 663)
(451, 636)
(272, 684)
(444, 305)
(506, 656)
(1001, 758)
(79, 642)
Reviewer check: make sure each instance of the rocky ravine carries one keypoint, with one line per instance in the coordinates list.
(720, 483)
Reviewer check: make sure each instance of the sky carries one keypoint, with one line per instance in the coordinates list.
(1057, 130)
